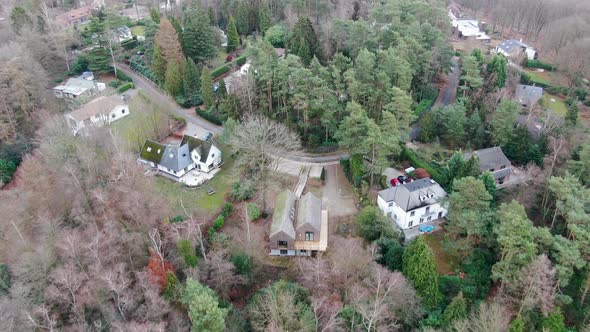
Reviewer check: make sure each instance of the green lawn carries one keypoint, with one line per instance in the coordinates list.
(558, 106)
(541, 77)
(219, 59)
(198, 200)
(445, 263)
(138, 30)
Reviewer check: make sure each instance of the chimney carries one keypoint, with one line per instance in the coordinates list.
(520, 40)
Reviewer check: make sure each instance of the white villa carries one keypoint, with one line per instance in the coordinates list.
(178, 160)
(513, 48)
(98, 112)
(412, 204)
(467, 27)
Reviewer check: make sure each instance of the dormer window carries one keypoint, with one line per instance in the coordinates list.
(159, 151)
(149, 149)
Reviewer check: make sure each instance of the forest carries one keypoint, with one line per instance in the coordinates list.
(89, 242)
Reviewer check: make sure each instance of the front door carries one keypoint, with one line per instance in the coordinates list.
(440, 215)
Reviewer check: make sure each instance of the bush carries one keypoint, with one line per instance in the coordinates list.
(227, 209)
(125, 87)
(129, 44)
(243, 263)
(435, 174)
(241, 60)
(123, 77)
(187, 252)
(219, 71)
(80, 65)
(218, 223)
(253, 211)
(323, 174)
(242, 191)
(539, 64)
(115, 83)
(423, 106)
(276, 35)
(178, 218)
(7, 170)
(183, 101)
(390, 253)
(557, 90)
(371, 224)
(580, 93)
(209, 117)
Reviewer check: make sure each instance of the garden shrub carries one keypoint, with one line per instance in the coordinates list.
(540, 64)
(423, 106)
(243, 263)
(129, 44)
(242, 191)
(125, 87)
(218, 223)
(187, 252)
(80, 65)
(7, 170)
(253, 211)
(241, 60)
(209, 116)
(178, 218)
(115, 83)
(123, 77)
(227, 209)
(5, 279)
(580, 93)
(171, 286)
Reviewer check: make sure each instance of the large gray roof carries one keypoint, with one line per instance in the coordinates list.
(512, 46)
(410, 196)
(490, 158)
(528, 95)
(176, 158)
(284, 214)
(309, 211)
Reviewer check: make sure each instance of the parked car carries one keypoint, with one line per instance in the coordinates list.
(403, 179)
(395, 182)
(426, 228)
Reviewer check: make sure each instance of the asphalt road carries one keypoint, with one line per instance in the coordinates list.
(449, 92)
(155, 92)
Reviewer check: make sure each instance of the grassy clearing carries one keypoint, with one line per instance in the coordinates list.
(198, 200)
(218, 60)
(446, 263)
(138, 30)
(558, 106)
(541, 77)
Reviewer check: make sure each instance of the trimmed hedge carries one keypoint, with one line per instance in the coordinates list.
(241, 60)
(540, 64)
(209, 117)
(123, 77)
(219, 71)
(125, 87)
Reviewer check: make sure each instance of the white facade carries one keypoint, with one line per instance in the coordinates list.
(78, 120)
(413, 218)
(174, 173)
(212, 160)
(513, 47)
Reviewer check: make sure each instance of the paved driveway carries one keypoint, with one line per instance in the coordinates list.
(337, 194)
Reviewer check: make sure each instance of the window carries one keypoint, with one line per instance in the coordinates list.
(114, 115)
(303, 252)
(149, 149)
(491, 169)
(429, 218)
(390, 204)
(123, 111)
(213, 155)
(282, 243)
(395, 217)
(308, 236)
(284, 252)
(411, 223)
(421, 220)
(427, 209)
(413, 213)
(503, 166)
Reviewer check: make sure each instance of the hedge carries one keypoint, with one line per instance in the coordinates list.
(219, 71)
(123, 77)
(540, 64)
(418, 163)
(125, 87)
(556, 90)
(209, 117)
(241, 60)
(423, 106)
(129, 44)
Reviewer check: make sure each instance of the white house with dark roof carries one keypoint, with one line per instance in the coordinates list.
(98, 112)
(412, 204)
(493, 160)
(299, 227)
(514, 48)
(178, 160)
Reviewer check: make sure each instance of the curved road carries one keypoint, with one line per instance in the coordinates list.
(155, 92)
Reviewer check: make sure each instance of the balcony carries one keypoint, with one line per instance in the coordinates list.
(320, 245)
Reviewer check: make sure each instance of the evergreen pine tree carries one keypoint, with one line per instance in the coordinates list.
(154, 15)
(159, 64)
(207, 88)
(456, 310)
(99, 60)
(212, 16)
(304, 30)
(176, 24)
(222, 91)
(517, 325)
(198, 36)
(420, 268)
(191, 80)
(173, 83)
(264, 20)
(304, 52)
(233, 40)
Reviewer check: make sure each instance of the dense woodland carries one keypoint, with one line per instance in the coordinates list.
(87, 242)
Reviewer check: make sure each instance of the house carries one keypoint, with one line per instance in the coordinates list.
(467, 27)
(412, 204)
(177, 160)
(76, 87)
(299, 227)
(98, 112)
(528, 95)
(493, 160)
(514, 48)
(233, 80)
(122, 34)
(87, 75)
(75, 17)
(223, 37)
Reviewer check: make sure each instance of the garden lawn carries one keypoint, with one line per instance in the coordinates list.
(138, 30)
(540, 77)
(445, 263)
(197, 199)
(558, 106)
(218, 60)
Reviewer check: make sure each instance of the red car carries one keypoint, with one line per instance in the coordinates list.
(395, 182)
